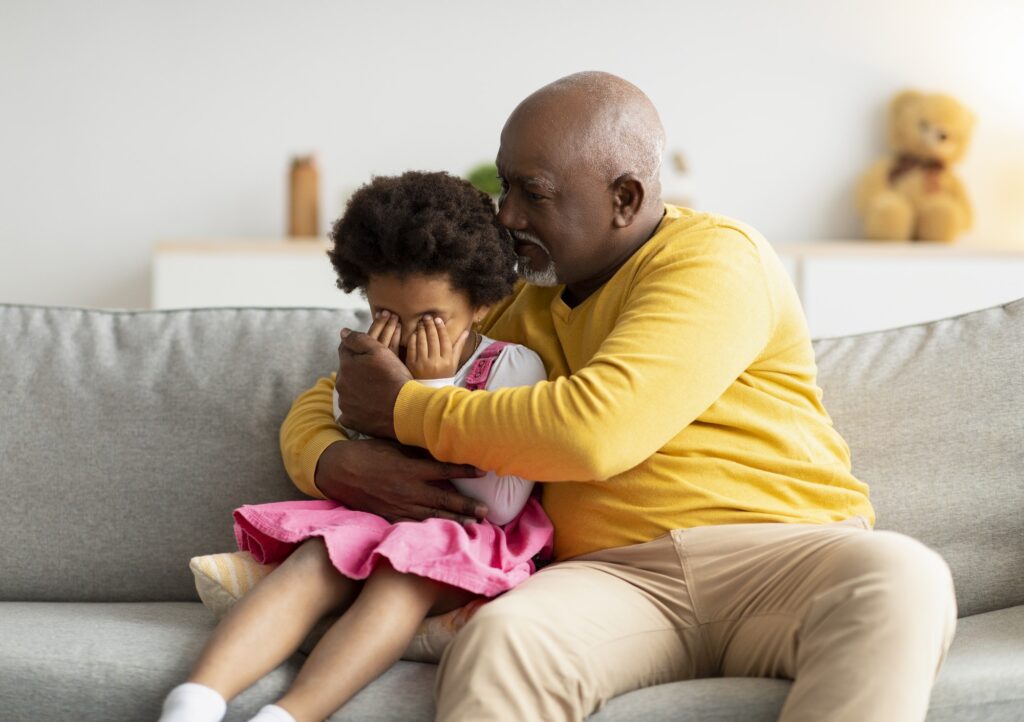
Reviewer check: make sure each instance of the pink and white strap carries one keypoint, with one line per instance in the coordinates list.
(480, 371)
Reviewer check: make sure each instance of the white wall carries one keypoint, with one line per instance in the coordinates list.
(124, 123)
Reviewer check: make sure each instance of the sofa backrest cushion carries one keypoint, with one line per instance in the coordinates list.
(127, 438)
(934, 416)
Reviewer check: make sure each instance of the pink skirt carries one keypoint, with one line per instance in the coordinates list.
(481, 558)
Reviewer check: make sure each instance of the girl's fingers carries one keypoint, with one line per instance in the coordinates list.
(396, 339)
(411, 350)
(379, 322)
(389, 330)
(433, 342)
(422, 340)
(444, 342)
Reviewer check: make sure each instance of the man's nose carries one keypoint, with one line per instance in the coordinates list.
(509, 215)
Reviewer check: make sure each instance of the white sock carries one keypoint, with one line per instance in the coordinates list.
(191, 702)
(273, 713)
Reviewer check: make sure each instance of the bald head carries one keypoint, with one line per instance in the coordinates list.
(579, 162)
(608, 124)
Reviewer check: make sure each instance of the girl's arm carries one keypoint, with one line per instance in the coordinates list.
(504, 494)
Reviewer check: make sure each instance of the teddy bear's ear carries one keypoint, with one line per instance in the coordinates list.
(901, 101)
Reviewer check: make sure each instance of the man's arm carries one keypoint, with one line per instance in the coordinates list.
(308, 429)
(371, 475)
(694, 322)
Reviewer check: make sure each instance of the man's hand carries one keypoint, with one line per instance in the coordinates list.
(369, 379)
(394, 481)
(430, 353)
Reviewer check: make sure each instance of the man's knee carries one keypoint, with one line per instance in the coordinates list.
(903, 561)
(493, 634)
(503, 665)
(506, 645)
(900, 578)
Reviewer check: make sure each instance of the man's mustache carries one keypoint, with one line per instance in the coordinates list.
(527, 237)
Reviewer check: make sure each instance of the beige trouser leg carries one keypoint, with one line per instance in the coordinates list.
(861, 620)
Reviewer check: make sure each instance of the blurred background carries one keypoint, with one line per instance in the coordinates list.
(124, 125)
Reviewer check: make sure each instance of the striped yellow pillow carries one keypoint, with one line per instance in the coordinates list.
(222, 579)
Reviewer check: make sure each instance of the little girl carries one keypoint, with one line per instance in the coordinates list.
(428, 253)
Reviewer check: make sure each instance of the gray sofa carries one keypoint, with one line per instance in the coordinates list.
(126, 438)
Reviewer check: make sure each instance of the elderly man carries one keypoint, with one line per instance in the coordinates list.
(706, 520)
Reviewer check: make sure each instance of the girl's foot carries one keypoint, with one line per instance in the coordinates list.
(272, 713)
(191, 702)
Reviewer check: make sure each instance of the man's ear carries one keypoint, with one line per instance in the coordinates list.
(627, 198)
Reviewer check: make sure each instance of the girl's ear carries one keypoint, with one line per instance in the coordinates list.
(480, 313)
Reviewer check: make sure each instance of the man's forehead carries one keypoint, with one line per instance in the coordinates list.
(528, 161)
(525, 175)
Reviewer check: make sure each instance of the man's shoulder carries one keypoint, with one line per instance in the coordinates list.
(686, 227)
(690, 244)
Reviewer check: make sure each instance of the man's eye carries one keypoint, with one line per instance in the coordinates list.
(534, 196)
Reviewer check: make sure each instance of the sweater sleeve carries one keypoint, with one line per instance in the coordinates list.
(692, 321)
(308, 429)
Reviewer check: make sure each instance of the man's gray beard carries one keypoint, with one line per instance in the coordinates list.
(546, 277)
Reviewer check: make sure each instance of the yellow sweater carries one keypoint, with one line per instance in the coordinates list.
(682, 393)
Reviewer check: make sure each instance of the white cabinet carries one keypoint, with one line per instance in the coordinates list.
(192, 274)
(856, 286)
(846, 286)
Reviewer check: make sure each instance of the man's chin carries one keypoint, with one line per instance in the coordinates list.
(547, 277)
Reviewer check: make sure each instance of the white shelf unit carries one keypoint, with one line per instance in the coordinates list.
(846, 286)
(849, 287)
(205, 273)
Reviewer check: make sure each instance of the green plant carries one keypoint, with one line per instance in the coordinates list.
(484, 177)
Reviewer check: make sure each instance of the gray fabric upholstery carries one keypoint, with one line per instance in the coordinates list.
(130, 436)
(982, 679)
(702, 700)
(120, 659)
(95, 662)
(934, 416)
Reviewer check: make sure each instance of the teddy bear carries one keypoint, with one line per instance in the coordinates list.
(913, 194)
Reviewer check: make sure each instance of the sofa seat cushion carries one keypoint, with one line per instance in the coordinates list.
(710, 700)
(983, 677)
(93, 661)
(96, 661)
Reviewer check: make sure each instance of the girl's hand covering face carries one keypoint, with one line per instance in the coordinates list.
(387, 329)
(430, 353)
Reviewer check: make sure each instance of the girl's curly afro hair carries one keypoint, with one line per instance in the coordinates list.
(424, 223)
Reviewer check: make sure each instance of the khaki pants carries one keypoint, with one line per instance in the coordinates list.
(859, 619)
